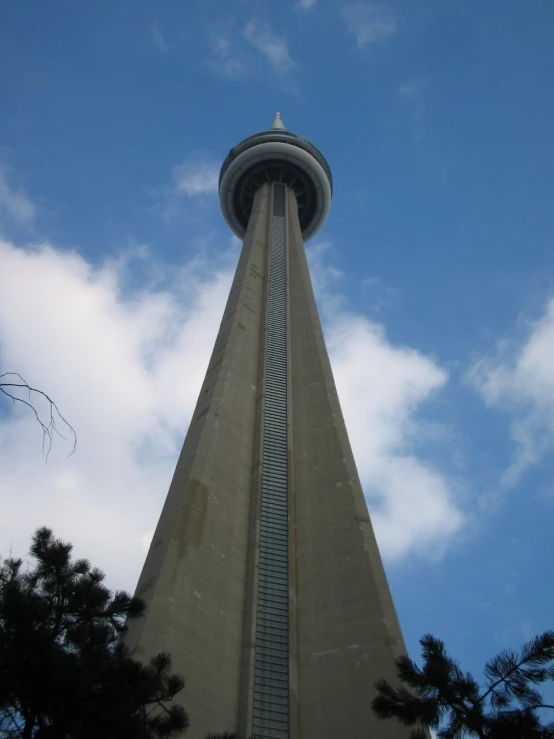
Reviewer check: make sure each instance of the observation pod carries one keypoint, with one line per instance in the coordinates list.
(276, 155)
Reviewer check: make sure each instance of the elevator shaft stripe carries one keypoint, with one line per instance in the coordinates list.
(272, 604)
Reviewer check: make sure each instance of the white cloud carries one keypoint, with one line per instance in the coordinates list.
(15, 205)
(306, 4)
(197, 175)
(368, 22)
(125, 366)
(519, 379)
(382, 388)
(158, 37)
(274, 48)
(125, 370)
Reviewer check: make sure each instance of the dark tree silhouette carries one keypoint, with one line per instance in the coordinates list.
(442, 697)
(64, 671)
(18, 390)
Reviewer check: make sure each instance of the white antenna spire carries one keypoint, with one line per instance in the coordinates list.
(277, 123)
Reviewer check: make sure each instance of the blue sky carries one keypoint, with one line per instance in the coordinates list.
(434, 271)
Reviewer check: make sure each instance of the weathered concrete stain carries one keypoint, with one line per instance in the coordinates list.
(191, 520)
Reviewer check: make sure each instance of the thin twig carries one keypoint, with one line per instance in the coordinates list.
(47, 429)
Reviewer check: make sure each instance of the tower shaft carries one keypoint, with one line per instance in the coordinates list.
(263, 580)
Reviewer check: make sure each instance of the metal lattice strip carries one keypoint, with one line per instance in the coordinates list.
(271, 672)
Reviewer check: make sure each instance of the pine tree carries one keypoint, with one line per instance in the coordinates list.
(442, 697)
(64, 671)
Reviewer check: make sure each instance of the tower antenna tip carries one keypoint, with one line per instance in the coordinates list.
(277, 122)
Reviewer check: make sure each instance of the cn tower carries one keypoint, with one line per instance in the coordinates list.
(264, 580)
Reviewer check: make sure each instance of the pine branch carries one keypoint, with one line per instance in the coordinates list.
(506, 665)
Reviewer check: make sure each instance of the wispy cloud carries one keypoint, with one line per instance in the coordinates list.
(197, 175)
(412, 93)
(306, 4)
(15, 204)
(369, 22)
(225, 59)
(519, 380)
(411, 88)
(383, 388)
(236, 54)
(195, 179)
(381, 295)
(158, 37)
(272, 47)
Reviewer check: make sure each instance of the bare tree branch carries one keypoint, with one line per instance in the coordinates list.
(49, 426)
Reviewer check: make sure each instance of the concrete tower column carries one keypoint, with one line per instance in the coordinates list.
(263, 580)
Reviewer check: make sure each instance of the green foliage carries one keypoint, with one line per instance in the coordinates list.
(441, 696)
(64, 671)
